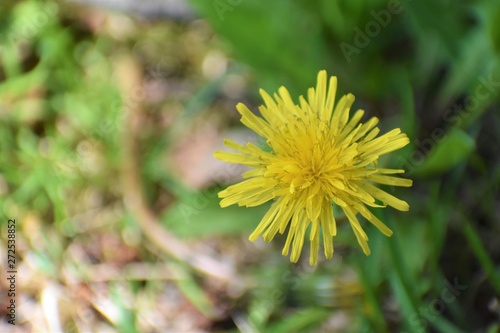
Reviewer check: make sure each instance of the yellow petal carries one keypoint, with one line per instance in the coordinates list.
(385, 197)
(257, 124)
(330, 100)
(313, 258)
(237, 158)
(351, 216)
(319, 103)
(298, 241)
(281, 219)
(374, 220)
(266, 220)
(388, 180)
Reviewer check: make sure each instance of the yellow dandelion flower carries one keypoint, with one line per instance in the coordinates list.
(318, 157)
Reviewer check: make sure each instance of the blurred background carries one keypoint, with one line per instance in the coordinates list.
(110, 112)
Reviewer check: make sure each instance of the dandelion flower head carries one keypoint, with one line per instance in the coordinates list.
(319, 160)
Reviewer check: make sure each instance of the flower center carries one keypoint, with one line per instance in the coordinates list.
(315, 168)
(308, 158)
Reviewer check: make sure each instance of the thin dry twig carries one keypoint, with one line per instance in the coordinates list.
(130, 77)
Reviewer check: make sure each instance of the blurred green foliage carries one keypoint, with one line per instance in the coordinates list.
(420, 65)
(436, 61)
(55, 93)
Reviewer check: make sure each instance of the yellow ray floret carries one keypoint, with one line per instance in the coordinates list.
(319, 158)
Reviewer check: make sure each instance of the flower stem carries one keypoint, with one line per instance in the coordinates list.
(482, 255)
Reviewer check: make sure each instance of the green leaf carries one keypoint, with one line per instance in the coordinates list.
(478, 248)
(495, 328)
(200, 215)
(447, 152)
(195, 294)
(301, 321)
(126, 322)
(266, 42)
(259, 311)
